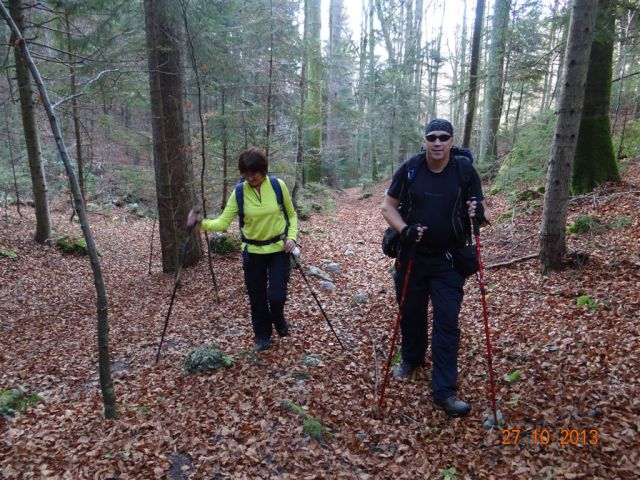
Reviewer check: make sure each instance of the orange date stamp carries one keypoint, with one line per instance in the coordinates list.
(569, 437)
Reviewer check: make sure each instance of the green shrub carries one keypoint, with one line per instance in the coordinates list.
(586, 301)
(16, 400)
(586, 224)
(525, 165)
(224, 244)
(206, 358)
(631, 145)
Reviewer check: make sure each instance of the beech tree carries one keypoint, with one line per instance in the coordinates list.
(576, 63)
(595, 157)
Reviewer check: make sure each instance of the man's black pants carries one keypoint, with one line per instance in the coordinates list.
(266, 277)
(432, 277)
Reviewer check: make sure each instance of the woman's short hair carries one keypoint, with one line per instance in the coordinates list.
(253, 160)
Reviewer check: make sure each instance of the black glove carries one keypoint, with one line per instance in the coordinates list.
(410, 233)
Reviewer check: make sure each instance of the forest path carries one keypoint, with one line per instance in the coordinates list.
(577, 364)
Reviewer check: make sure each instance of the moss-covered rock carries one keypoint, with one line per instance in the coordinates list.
(73, 245)
(224, 244)
(16, 400)
(206, 358)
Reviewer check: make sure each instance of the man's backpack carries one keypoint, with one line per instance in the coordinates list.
(463, 159)
(275, 184)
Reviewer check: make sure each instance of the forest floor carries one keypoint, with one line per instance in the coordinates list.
(576, 403)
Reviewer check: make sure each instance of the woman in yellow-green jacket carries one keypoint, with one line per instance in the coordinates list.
(268, 226)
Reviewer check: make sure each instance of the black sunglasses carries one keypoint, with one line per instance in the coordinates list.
(443, 138)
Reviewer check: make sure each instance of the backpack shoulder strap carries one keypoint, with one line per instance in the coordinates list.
(463, 167)
(240, 202)
(275, 184)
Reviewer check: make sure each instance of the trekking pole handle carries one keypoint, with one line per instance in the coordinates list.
(474, 220)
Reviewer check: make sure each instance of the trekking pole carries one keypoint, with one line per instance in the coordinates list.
(396, 328)
(175, 287)
(295, 256)
(483, 292)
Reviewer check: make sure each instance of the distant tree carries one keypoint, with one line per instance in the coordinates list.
(31, 137)
(554, 213)
(172, 161)
(494, 91)
(313, 120)
(595, 160)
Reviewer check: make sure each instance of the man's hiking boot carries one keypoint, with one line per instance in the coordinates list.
(404, 370)
(452, 406)
(263, 344)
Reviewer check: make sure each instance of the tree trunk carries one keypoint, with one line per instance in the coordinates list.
(299, 167)
(74, 108)
(31, 138)
(172, 162)
(554, 213)
(334, 139)
(494, 90)
(106, 384)
(595, 160)
(473, 72)
(313, 121)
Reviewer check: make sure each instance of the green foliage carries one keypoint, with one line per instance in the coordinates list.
(525, 165)
(397, 357)
(73, 245)
(586, 301)
(630, 142)
(449, 473)
(8, 253)
(16, 400)
(513, 377)
(586, 224)
(311, 426)
(206, 358)
(224, 244)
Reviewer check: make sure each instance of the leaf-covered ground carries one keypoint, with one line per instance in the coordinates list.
(578, 365)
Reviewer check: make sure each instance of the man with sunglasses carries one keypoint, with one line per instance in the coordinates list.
(437, 218)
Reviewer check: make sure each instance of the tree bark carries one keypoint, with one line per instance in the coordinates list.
(473, 73)
(494, 89)
(595, 160)
(313, 120)
(554, 212)
(172, 162)
(31, 137)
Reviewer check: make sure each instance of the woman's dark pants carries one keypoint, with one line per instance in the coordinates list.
(266, 277)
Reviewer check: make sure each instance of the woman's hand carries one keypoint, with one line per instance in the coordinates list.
(194, 218)
(289, 245)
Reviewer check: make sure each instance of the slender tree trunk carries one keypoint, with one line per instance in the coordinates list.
(270, 86)
(106, 384)
(494, 91)
(31, 137)
(299, 168)
(74, 108)
(554, 213)
(11, 161)
(313, 121)
(371, 96)
(473, 73)
(173, 168)
(225, 153)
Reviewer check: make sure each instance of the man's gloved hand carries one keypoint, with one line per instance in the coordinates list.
(476, 210)
(194, 218)
(411, 233)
